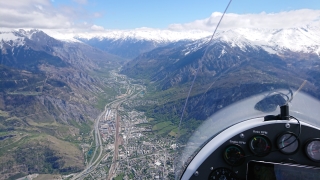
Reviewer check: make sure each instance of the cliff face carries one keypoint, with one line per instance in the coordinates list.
(49, 90)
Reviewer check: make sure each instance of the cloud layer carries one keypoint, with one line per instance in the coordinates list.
(43, 14)
(288, 19)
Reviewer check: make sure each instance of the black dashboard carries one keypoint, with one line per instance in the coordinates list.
(285, 142)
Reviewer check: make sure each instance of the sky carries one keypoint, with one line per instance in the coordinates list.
(99, 15)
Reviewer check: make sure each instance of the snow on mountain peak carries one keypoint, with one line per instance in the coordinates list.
(62, 36)
(304, 39)
(16, 37)
(299, 39)
(12, 38)
(146, 34)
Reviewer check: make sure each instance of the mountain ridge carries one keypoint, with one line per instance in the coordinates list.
(234, 61)
(299, 39)
(49, 96)
(303, 39)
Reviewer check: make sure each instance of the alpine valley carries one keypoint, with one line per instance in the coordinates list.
(53, 86)
(51, 92)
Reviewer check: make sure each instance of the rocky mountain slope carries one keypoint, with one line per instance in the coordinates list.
(49, 91)
(236, 61)
(51, 88)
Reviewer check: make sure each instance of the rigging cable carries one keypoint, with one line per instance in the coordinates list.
(200, 64)
(295, 93)
(205, 52)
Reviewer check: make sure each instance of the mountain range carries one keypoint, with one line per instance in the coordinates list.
(300, 43)
(51, 82)
(49, 97)
(131, 43)
(234, 63)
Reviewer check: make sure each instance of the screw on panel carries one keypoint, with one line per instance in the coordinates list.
(287, 125)
(196, 173)
(211, 168)
(241, 135)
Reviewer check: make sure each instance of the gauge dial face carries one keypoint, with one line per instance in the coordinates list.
(260, 145)
(234, 155)
(288, 143)
(223, 174)
(313, 150)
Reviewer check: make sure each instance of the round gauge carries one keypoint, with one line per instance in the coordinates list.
(234, 155)
(313, 149)
(222, 173)
(288, 143)
(260, 145)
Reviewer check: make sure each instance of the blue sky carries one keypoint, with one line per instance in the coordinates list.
(99, 15)
(129, 14)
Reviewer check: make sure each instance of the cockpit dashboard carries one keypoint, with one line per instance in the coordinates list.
(260, 148)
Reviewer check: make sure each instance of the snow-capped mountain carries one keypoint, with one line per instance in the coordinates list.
(53, 70)
(304, 39)
(30, 43)
(235, 61)
(124, 43)
(21, 37)
(147, 34)
(130, 43)
(301, 40)
(173, 64)
(15, 38)
(46, 80)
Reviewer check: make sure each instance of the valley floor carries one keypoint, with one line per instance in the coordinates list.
(123, 146)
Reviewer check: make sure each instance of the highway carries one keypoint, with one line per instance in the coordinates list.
(98, 141)
(92, 166)
(98, 145)
(112, 170)
(116, 146)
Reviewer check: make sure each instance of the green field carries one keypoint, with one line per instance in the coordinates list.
(119, 177)
(164, 128)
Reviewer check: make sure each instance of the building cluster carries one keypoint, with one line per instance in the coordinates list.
(141, 155)
(107, 125)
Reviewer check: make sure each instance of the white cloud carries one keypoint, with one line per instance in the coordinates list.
(81, 1)
(41, 14)
(24, 3)
(39, 7)
(97, 28)
(294, 18)
(97, 14)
